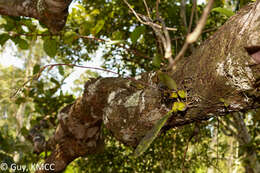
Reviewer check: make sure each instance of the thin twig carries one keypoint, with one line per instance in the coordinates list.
(81, 66)
(164, 36)
(184, 157)
(196, 33)
(161, 32)
(147, 9)
(217, 139)
(136, 15)
(147, 22)
(192, 37)
(157, 9)
(134, 51)
(137, 53)
(194, 5)
(50, 66)
(183, 14)
(168, 45)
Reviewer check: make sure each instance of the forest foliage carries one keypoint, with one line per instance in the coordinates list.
(33, 95)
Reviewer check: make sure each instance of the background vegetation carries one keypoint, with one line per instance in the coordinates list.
(127, 48)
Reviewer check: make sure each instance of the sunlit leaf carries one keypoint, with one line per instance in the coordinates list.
(50, 47)
(95, 12)
(174, 95)
(98, 27)
(226, 102)
(175, 107)
(182, 94)
(178, 106)
(224, 11)
(135, 35)
(181, 106)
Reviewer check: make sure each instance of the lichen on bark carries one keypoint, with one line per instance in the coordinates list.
(220, 77)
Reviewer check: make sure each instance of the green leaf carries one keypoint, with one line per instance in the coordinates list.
(181, 106)
(24, 131)
(117, 35)
(10, 23)
(167, 80)
(151, 135)
(157, 61)
(3, 38)
(98, 27)
(135, 35)
(94, 12)
(50, 47)
(83, 29)
(61, 70)
(70, 37)
(20, 42)
(224, 11)
(174, 107)
(178, 106)
(20, 100)
(222, 100)
(182, 94)
(55, 81)
(36, 68)
(173, 95)
(23, 44)
(226, 103)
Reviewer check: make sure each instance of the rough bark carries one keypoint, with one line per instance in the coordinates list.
(52, 13)
(222, 76)
(223, 69)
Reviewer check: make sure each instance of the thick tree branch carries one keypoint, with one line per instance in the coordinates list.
(222, 76)
(52, 13)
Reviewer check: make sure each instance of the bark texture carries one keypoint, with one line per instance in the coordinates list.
(222, 76)
(222, 70)
(52, 13)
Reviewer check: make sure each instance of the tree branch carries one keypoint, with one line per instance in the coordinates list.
(52, 13)
(192, 37)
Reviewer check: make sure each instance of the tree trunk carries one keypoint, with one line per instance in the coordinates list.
(222, 76)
